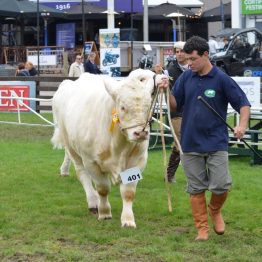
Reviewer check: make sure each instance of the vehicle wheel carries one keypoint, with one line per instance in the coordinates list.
(114, 60)
(104, 63)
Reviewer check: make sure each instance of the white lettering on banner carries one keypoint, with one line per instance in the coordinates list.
(251, 87)
(252, 2)
(63, 7)
(254, 7)
(3, 93)
(10, 102)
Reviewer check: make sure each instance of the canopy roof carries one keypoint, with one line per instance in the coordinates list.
(183, 3)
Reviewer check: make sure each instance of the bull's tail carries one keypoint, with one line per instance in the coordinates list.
(57, 140)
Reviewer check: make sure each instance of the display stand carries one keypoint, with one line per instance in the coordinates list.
(91, 47)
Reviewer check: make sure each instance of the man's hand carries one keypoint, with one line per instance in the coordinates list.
(165, 82)
(239, 132)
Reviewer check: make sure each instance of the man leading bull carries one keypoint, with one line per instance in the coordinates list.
(204, 137)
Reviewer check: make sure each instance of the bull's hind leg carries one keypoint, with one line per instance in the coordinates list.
(64, 169)
(128, 194)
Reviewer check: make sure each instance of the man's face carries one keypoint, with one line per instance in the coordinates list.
(180, 56)
(78, 59)
(158, 69)
(196, 62)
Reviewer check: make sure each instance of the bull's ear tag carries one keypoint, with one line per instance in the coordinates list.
(131, 175)
(115, 120)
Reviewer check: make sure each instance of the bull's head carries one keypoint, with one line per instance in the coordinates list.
(133, 100)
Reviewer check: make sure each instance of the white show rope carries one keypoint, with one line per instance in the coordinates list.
(21, 103)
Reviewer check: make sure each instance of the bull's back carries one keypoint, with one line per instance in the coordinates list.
(81, 111)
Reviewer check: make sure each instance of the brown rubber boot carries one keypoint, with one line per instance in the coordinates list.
(173, 163)
(199, 211)
(215, 205)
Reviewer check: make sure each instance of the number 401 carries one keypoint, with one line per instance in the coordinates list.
(133, 178)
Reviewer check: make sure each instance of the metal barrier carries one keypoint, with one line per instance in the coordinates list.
(51, 58)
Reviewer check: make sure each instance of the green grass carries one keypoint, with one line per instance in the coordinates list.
(44, 217)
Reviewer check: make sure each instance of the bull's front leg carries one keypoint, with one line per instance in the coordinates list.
(103, 187)
(128, 194)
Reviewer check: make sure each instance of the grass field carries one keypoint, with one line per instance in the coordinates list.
(44, 217)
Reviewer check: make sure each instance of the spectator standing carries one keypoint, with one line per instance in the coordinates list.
(158, 69)
(204, 137)
(213, 45)
(90, 65)
(226, 43)
(175, 69)
(31, 69)
(21, 70)
(76, 68)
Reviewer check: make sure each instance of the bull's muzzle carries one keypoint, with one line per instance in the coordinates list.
(141, 135)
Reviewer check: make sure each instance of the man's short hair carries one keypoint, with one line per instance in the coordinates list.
(196, 43)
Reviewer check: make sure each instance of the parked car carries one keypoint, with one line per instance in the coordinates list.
(243, 55)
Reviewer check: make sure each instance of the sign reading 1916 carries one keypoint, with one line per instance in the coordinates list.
(131, 175)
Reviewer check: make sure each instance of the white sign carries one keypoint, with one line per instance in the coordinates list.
(109, 40)
(251, 87)
(131, 175)
(44, 60)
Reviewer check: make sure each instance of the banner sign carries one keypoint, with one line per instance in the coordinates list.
(250, 7)
(23, 89)
(65, 35)
(44, 60)
(251, 87)
(62, 5)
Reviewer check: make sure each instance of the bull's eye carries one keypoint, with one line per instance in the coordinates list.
(142, 79)
(122, 108)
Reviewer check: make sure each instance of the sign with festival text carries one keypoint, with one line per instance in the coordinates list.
(15, 89)
(251, 7)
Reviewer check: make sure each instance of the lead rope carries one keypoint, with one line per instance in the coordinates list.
(168, 188)
(150, 114)
(170, 123)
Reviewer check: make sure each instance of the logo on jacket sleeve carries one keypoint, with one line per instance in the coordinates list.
(210, 93)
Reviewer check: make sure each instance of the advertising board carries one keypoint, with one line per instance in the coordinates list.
(23, 89)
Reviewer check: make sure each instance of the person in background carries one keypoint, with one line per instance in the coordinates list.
(76, 68)
(31, 69)
(21, 70)
(213, 46)
(204, 137)
(90, 65)
(175, 69)
(158, 69)
(226, 42)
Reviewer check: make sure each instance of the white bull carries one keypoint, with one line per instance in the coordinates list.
(102, 124)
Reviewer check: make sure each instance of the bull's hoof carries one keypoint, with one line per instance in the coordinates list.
(64, 174)
(128, 224)
(104, 217)
(93, 210)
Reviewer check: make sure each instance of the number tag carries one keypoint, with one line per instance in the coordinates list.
(131, 175)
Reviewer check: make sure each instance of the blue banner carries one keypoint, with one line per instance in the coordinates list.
(65, 35)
